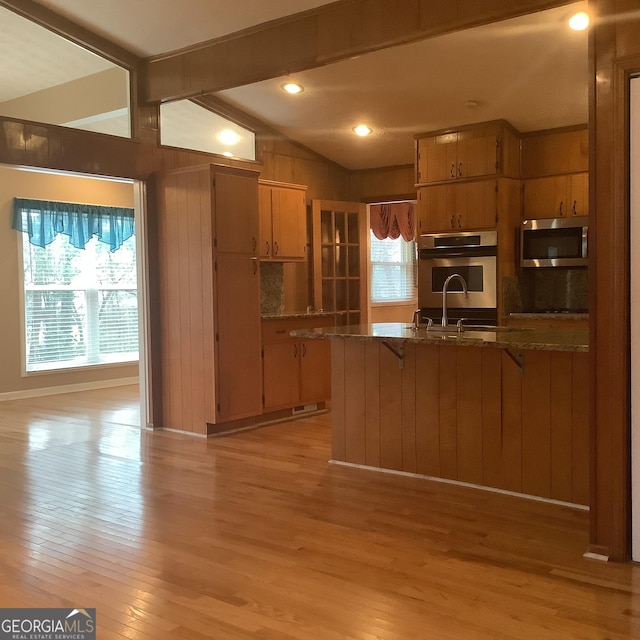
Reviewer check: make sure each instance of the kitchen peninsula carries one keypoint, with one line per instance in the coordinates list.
(504, 408)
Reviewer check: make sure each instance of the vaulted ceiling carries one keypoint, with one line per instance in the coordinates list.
(531, 70)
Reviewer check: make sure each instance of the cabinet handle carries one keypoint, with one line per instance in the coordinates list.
(453, 222)
(560, 210)
(452, 171)
(304, 349)
(295, 350)
(460, 170)
(255, 244)
(275, 248)
(268, 247)
(574, 209)
(459, 221)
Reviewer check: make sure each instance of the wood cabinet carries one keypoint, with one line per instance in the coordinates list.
(209, 339)
(460, 206)
(340, 244)
(556, 196)
(296, 372)
(447, 158)
(474, 151)
(283, 222)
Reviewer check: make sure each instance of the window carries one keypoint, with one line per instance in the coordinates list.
(187, 125)
(80, 305)
(393, 265)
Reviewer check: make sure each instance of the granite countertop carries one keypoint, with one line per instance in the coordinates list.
(549, 316)
(285, 315)
(576, 340)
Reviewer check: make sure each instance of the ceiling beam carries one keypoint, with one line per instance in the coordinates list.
(71, 31)
(314, 38)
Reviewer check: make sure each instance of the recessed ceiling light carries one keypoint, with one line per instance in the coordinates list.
(228, 137)
(292, 87)
(228, 154)
(579, 21)
(362, 130)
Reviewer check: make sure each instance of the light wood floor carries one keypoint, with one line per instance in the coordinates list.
(256, 536)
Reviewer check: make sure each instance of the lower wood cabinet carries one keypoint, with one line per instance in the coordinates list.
(295, 372)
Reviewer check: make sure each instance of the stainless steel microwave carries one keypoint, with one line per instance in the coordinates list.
(555, 242)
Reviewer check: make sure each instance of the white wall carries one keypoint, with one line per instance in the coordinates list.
(635, 314)
(66, 188)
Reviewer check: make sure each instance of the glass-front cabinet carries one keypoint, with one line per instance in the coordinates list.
(339, 260)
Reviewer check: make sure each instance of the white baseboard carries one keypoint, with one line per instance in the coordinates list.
(67, 388)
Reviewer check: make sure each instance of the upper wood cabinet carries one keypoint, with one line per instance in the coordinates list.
(283, 222)
(556, 196)
(237, 229)
(459, 206)
(548, 153)
(480, 150)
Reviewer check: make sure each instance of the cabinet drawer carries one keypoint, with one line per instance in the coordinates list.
(278, 330)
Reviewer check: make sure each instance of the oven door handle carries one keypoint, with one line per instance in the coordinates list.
(471, 252)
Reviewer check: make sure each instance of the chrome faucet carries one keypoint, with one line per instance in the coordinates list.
(445, 288)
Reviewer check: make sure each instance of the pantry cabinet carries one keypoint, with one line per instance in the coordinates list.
(283, 222)
(296, 372)
(207, 344)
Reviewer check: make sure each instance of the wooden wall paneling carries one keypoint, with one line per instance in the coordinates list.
(192, 219)
(408, 409)
(561, 426)
(511, 424)
(338, 399)
(386, 183)
(536, 424)
(170, 294)
(390, 399)
(491, 415)
(448, 413)
(372, 408)
(184, 221)
(469, 414)
(355, 402)
(428, 410)
(580, 428)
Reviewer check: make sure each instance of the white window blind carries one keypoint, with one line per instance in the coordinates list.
(393, 269)
(80, 305)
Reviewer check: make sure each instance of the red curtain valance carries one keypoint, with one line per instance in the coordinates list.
(391, 220)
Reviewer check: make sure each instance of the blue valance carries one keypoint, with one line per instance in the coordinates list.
(43, 221)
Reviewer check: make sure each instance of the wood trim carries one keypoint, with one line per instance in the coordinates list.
(610, 420)
(315, 38)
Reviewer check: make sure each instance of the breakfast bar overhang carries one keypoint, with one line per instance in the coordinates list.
(500, 408)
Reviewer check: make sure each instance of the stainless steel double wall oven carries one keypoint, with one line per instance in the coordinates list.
(469, 254)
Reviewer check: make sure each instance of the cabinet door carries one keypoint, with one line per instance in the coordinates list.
(315, 371)
(281, 371)
(476, 205)
(437, 208)
(477, 157)
(239, 363)
(545, 197)
(264, 207)
(441, 162)
(578, 198)
(288, 223)
(236, 198)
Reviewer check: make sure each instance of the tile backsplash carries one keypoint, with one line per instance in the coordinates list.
(557, 289)
(271, 288)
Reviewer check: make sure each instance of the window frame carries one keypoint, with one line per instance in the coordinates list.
(90, 366)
